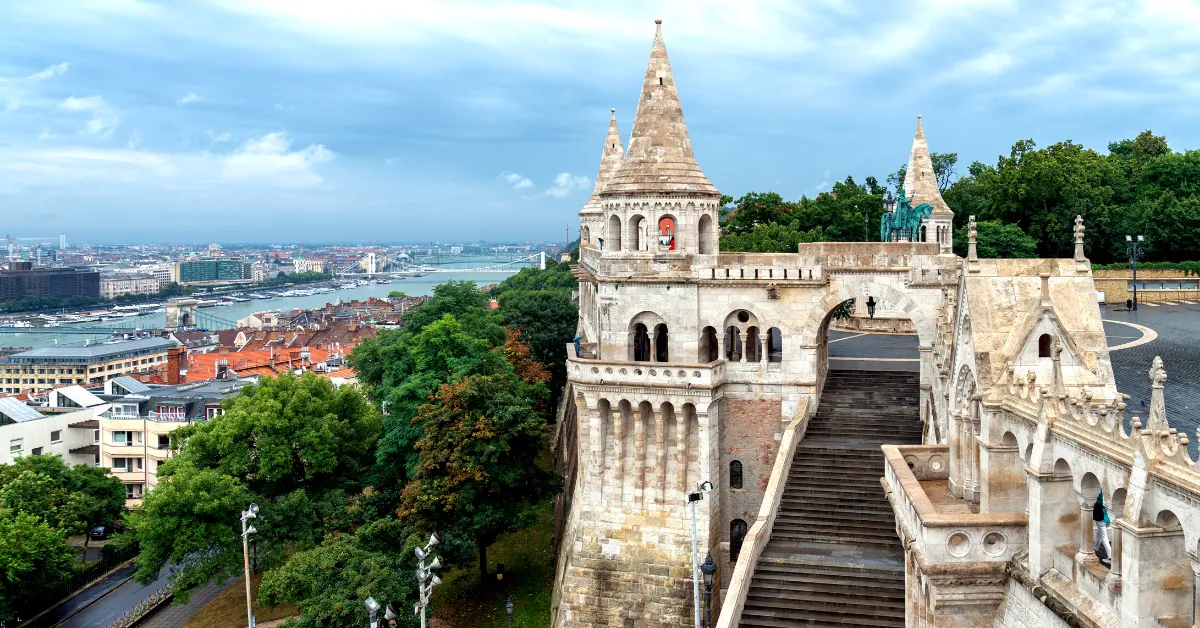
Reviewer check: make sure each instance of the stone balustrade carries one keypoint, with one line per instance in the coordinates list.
(645, 374)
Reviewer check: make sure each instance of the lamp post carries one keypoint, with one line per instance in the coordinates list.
(425, 575)
(1134, 249)
(247, 530)
(692, 498)
(871, 306)
(508, 607)
(708, 569)
(372, 610)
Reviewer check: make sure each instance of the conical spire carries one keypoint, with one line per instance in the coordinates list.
(920, 180)
(660, 158)
(610, 160)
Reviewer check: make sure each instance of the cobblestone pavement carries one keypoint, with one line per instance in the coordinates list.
(174, 616)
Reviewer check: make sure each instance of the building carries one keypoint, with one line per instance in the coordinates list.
(42, 369)
(135, 432)
(22, 280)
(73, 435)
(211, 270)
(1153, 285)
(957, 494)
(304, 265)
(112, 286)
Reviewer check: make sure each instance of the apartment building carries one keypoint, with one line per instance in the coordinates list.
(119, 284)
(27, 430)
(42, 369)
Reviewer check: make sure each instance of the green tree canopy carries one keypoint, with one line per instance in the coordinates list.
(69, 499)
(34, 560)
(998, 240)
(546, 320)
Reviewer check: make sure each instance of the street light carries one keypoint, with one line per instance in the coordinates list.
(1134, 249)
(708, 569)
(247, 530)
(372, 609)
(889, 202)
(508, 607)
(692, 498)
(871, 306)
(426, 579)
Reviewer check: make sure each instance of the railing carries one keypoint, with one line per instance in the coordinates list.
(149, 416)
(77, 581)
(756, 539)
(659, 374)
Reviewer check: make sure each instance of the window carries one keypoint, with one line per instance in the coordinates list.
(16, 446)
(164, 441)
(128, 438)
(1044, 346)
(737, 533)
(127, 465)
(133, 491)
(735, 474)
(37, 451)
(213, 412)
(56, 436)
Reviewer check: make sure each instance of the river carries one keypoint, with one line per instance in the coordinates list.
(412, 286)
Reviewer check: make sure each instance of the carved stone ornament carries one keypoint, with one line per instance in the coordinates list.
(772, 291)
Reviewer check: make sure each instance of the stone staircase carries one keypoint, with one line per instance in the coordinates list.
(833, 558)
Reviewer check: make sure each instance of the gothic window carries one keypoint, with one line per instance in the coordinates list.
(735, 474)
(661, 352)
(613, 233)
(641, 343)
(752, 345)
(1044, 346)
(737, 534)
(708, 345)
(774, 345)
(733, 344)
(706, 235)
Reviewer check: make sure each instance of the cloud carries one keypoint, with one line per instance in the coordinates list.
(270, 158)
(517, 181)
(135, 139)
(567, 183)
(219, 137)
(104, 118)
(189, 99)
(54, 70)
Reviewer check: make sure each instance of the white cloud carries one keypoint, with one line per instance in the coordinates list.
(567, 183)
(270, 159)
(54, 70)
(518, 182)
(189, 99)
(104, 117)
(219, 137)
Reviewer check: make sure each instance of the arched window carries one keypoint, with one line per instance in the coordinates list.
(661, 352)
(753, 354)
(709, 351)
(613, 233)
(1044, 346)
(737, 534)
(666, 233)
(585, 235)
(636, 225)
(735, 474)
(733, 344)
(774, 345)
(641, 343)
(706, 235)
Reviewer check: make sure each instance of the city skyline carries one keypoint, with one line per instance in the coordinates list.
(252, 121)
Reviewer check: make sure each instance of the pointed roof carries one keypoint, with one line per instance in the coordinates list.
(920, 180)
(610, 160)
(659, 159)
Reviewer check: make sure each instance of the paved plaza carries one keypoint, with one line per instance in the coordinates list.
(1176, 339)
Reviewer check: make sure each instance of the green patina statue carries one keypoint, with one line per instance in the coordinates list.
(904, 223)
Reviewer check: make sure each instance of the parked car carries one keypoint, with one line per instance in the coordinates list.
(100, 533)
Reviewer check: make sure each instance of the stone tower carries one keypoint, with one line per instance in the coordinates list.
(659, 200)
(591, 217)
(921, 186)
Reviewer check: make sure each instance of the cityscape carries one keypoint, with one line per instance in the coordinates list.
(396, 382)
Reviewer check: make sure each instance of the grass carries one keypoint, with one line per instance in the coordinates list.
(528, 578)
(228, 609)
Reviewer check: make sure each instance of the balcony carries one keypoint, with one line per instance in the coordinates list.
(149, 416)
(583, 370)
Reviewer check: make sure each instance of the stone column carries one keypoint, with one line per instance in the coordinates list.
(595, 459)
(681, 451)
(639, 458)
(955, 443)
(1196, 594)
(745, 347)
(1114, 533)
(1086, 533)
(660, 442)
(618, 468)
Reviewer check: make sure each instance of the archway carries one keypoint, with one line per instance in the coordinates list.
(706, 235)
(661, 353)
(709, 349)
(612, 234)
(666, 233)
(637, 226)
(641, 343)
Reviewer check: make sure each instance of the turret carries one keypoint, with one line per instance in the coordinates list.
(921, 186)
(591, 217)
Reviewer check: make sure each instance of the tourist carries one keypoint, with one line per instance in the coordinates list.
(1101, 545)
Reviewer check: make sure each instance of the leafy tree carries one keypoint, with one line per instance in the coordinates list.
(556, 277)
(34, 561)
(70, 499)
(397, 294)
(757, 208)
(465, 302)
(478, 473)
(998, 240)
(546, 319)
(944, 167)
(770, 238)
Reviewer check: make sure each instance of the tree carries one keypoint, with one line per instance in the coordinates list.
(944, 167)
(478, 473)
(34, 561)
(770, 238)
(556, 277)
(998, 240)
(465, 302)
(546, 319)
(755, 208)
(396, 294)
(70, 499)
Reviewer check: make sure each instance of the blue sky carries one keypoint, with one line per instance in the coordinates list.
(321, 121)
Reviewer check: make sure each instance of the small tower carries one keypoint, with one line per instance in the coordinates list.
(921, 186)
(659, 200)
(591, 217)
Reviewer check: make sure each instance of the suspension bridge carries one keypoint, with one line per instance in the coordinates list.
(537, 260)
(203, 321)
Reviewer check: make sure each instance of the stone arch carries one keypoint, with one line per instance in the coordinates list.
(1044, 346)
(736, 479)
(737, 534)
(640, 347)
(924, 320)
(661, 347)
(637, 236)
(667, 229)
(1171, 575)
(613, 233)
(585, 234)
(753, 344)
(774, 345)
(705, 234)
(710, 349)
(642, 327)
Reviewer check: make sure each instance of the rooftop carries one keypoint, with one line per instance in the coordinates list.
(96, 351)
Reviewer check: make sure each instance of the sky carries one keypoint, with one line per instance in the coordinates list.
(458, 120)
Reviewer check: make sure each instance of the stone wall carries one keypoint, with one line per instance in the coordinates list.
(750, 435)
(1115, 284)
(1021, 610)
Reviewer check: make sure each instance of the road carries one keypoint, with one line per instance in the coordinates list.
(102, 603)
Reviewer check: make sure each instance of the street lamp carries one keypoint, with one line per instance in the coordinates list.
(692, 498)
(247, 530)
(889, 202)
(508, 607)
(372, 610)
(426, 579)
(1134, 249)
(871, 306)
(708, 569)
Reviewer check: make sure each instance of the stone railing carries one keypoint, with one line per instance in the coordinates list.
(756, 539)
(655, 374)
(945, 531)
(748, 270)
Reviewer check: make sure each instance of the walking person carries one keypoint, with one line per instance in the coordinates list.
(1100, 543)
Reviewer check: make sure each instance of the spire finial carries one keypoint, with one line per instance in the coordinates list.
(613, 111)
(658, 27)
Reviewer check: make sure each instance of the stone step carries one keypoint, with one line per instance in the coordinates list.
(791, 612)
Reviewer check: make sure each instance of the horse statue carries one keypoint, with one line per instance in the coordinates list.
(904, 222)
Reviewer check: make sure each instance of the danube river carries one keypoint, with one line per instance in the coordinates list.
(412, 286)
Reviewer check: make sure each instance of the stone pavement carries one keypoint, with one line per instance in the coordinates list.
(176, 615)
(873, 352)
(1178, 344)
